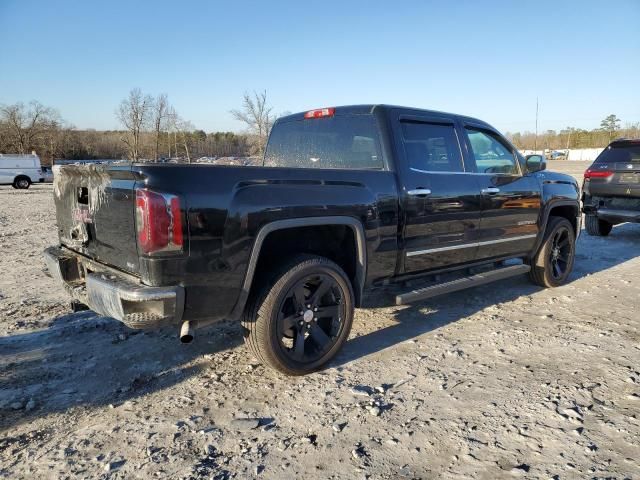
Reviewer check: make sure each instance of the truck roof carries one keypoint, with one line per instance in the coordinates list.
(18, 155)
(370, 108)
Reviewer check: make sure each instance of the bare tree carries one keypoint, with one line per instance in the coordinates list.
(172, 120)
(161, 116)
(184, 129)
(24, 128)
(134, 113)
(256, 114)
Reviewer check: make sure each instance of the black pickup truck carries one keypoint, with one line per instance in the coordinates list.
(348, 198)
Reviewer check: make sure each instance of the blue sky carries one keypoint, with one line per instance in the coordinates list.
(488, 59)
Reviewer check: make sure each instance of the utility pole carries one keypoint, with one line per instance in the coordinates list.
(535, 143)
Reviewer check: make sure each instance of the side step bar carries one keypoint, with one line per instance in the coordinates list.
(461, 283)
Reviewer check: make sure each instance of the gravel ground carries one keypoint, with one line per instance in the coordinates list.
(505, 380)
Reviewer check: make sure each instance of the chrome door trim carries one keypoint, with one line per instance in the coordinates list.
(470, 245)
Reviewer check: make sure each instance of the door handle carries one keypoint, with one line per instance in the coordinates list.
(490, 190)
(419, 192)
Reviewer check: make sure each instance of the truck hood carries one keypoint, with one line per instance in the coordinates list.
(549, 176)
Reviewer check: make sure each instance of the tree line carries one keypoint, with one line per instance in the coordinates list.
(570, 137)
(151, 130)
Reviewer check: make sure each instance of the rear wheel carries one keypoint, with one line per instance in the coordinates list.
(299, 322)
(553, 263)
(77, 306)
(22, 183)
(597, 227)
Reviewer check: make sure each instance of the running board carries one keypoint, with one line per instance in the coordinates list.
(461, 283)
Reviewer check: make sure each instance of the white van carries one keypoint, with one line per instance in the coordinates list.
(20, 170)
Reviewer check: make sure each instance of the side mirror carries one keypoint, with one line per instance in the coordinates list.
(535, 163)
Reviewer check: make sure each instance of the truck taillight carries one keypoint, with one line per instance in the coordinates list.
(597, 174)
(158, 222)
(320, 112)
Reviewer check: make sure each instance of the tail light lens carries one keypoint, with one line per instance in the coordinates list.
(158, 222)
(589, 174)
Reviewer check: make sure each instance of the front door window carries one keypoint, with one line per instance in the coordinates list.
(491, 154)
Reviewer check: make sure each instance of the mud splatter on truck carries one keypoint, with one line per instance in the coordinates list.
(95, 212)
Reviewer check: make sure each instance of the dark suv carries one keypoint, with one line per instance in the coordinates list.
(611, 189)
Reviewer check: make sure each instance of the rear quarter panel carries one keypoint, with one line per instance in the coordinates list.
(226, 206)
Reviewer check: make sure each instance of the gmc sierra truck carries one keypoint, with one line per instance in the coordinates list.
(347, 199)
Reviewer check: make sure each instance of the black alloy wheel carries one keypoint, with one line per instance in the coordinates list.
(300, 317)
(310, 318)
(560, 252)
(553, 262)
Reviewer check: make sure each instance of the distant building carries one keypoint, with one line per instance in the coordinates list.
(64, 161)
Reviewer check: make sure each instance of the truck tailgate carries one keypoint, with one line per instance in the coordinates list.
(95, 211)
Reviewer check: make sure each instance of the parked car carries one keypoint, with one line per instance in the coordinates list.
(611, 187)
(557, 155)
(348, 198)
(20, 171)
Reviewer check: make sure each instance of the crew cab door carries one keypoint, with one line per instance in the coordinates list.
(510, 197)
(441, 201)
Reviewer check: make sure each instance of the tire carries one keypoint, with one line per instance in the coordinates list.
(77, 306)
(22, 183)
(596, 227)
(286, 334)
(552, 265)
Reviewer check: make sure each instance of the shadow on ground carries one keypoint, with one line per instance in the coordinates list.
(593, 255)
(83, 359)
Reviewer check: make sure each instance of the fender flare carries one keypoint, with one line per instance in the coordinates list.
(353, 223)
(547, 212)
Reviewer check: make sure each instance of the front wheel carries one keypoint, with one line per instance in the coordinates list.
(22, 183)
(552, 265)
(299, 322)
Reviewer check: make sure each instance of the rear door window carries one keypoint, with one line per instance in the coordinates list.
(431, 147)
(344, 141)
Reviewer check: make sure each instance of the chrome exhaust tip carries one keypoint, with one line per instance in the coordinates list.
(186, 334)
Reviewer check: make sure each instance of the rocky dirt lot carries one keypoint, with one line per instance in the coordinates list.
(506, 380)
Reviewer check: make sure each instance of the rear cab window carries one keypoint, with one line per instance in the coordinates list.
(349, 141)
(629, 153)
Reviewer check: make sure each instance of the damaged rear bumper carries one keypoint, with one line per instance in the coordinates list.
(114, 294)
